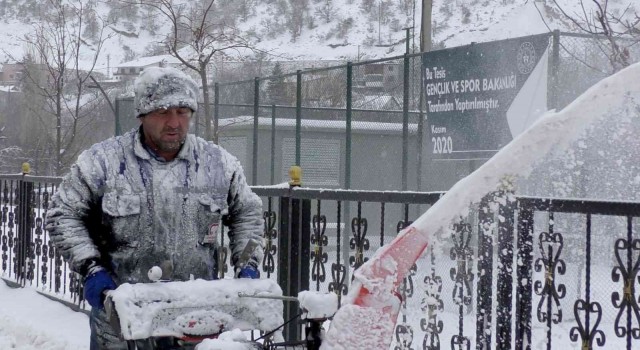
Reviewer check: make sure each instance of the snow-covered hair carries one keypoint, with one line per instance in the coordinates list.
(164, 87)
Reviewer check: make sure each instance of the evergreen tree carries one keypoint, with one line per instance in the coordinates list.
(276, 86)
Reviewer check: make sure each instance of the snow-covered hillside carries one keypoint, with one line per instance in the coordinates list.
(326, 29)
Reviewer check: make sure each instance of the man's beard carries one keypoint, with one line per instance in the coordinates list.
(169, 146)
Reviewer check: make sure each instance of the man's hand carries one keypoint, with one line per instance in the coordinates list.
(248, 272)
(94, 285)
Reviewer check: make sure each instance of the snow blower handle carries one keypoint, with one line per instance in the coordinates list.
(112, 314)
(245, 255)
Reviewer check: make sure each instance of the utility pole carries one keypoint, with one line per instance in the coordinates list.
(425, 33)
(407, 39)
(379, 20)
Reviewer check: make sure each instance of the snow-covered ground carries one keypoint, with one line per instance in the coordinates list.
(30, 321)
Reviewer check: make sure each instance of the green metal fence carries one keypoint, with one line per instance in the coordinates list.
(362, 125)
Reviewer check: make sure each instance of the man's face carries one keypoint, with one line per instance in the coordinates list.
(166, 129)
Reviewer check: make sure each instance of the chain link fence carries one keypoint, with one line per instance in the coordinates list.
(363, 125)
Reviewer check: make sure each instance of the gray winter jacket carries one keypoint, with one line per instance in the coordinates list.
(126, 210)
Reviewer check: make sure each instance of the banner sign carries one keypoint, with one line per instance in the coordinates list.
(480, 96)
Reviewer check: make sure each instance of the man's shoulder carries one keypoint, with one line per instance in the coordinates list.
(207, 146)
(112, 146)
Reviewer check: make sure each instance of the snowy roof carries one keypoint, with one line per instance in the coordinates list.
(8, 88)
(372, 101)
(150, 60)
(318, 124)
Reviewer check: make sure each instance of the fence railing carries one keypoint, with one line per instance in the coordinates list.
(516, 273)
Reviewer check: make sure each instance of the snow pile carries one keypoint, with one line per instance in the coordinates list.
(613, 98)
(30, 321)
(196, 307)
(355, 327)
(318, 305)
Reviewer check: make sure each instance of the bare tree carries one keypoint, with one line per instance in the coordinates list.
(194, 39)
(621, 30)
(53, 71)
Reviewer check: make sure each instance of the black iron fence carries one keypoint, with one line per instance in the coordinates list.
(516, 273)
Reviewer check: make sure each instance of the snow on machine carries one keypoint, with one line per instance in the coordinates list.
(183, 314)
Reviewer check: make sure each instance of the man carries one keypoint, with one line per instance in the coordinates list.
(155, 196)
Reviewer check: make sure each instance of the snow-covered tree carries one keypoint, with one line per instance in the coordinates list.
(620, 29)
(195, 37)
(52, 71)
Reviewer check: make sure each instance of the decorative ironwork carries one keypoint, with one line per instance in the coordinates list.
(45, 247)
(432, 304)
(462, 276)
(30, 263)
(45, 265)
(587, 335)
(359, 241)
(338, 274)
(222, 253)
(404, 335)
(5, 238)
(338, 270)
(550, 247)
(408, 285)
(271, 235)
(319, 257)
(76, 288)
(11, 236)
(628, 272)
(463, 255)
(268, 342)
(587, 330)
(58, 269)
(404, 331)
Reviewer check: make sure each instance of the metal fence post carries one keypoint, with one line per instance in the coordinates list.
(284, 262)
(553, 99)
(485, 274)
(117, 127)
(524, 275)
(24, 251)
(405, 122)
(420, 135)
(273, 145)
(347, 160)
(505, 271)
(256, 108)
(348, 111)
(216, 111)
(298, 114)
(294, 257)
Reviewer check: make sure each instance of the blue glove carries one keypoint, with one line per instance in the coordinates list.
(94, 285)
(249, 272)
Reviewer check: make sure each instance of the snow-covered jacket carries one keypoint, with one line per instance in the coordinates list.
(121, 207)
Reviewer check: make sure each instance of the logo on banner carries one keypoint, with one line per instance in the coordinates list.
(526, 58)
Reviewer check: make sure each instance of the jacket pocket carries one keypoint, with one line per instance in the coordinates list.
(118, 205)
(122, 215)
